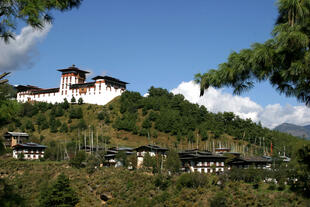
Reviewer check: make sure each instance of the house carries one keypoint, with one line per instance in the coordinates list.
(30, 151)
(202, 161)
(152, 150)
(73, 84)
(110, 157)
(222, 150)
(246, 162)
(14, 138)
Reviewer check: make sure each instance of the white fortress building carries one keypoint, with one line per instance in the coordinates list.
(72, 84)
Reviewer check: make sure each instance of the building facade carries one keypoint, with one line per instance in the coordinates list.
(152, 150)
(73, 84)
(14, 138)
(30, 151)
(202, 161)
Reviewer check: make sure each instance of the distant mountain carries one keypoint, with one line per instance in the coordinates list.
(295, 130)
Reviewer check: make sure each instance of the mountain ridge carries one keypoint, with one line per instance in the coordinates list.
(295, 130)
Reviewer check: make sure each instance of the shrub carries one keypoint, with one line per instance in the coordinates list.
(73, 100)
(78, 160)
(80, 101)
(219, 200)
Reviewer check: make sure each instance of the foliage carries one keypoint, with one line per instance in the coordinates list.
(300, 176)
(152, 163)
(173, 163)
(34, 13)
(122, 158)
(8, 111)
(171, 114)
(218, 200)
(65, 104)
(59, 194)
(192, 180)
(8, 196)
(92, 163)
(73, 100)
(76, 113)
(7, 91)
(80, 101)
(78, 160)
(283, 60)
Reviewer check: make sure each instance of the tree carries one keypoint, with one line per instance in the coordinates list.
(78, 160)
(59, 194)
(80, 101)
(283, 60)
(300, 181)
(73, 100)
(8, 196)
(122, 158)
(2, 81)
(173, 163)
(65, 104)
(33, 12)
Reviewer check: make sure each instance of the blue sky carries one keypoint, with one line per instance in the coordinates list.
(151, 43)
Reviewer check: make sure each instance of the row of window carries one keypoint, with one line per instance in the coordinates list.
(209, 164)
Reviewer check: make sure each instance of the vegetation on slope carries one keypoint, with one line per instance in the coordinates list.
(132, 120)
(121, 187)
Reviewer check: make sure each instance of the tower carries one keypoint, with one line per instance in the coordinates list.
(69, 76)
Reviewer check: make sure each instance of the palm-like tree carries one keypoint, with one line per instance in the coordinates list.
(284, 60)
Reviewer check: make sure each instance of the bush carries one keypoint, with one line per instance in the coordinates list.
(100, 116)
(192, 180)
(80, 101)
(73, 100)
(219, 200)
(76, 113)
(78, 160)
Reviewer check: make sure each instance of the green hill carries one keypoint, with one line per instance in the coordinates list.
(132, 120)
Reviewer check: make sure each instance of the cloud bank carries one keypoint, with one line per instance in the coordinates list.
(215, 100)
(21, 52)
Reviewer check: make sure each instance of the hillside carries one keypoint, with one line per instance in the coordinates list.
(295, 130)
(121, 187)
(132, 120)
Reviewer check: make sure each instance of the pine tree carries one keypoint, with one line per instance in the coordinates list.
(59, 194)
(73, 100)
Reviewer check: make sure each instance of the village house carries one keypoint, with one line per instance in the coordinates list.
(110, 157)
(247, 162)
(29, 151)
(73, 84)
(202, 161)
(152, 150)
(14, 138)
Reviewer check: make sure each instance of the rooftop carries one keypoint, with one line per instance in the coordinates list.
(110, 79)
(16, 134)
(29, 145)
(73, 68)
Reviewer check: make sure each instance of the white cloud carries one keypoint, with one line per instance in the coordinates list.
(21, 52)
(215, 100)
